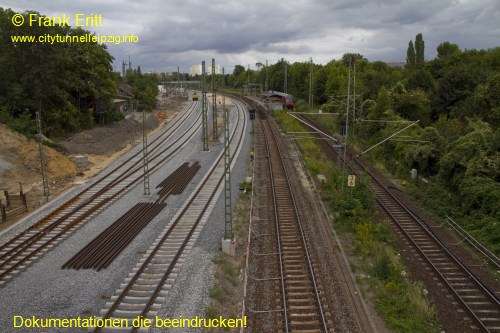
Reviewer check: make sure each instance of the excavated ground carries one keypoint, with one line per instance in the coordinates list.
(20, 157)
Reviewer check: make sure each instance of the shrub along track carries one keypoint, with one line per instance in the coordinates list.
(20, 251)
(481, 307)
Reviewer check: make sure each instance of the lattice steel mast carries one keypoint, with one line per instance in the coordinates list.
(228, 210)
(43, 170)
(145, 160)
(214, 103)
(204, 110)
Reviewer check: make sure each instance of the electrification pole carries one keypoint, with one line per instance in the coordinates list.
(214, 103)
(228, 213)
(353, 95)
(349, 98)
(177, 85)
(266, 76)
(45, 181)
(145, 159)
(286, 79)
(310, 84)
(204, 110)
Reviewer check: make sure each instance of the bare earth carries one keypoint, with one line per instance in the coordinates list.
(20, 161)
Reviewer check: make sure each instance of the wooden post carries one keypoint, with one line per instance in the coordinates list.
(23, 196)
(6, 198)
(25, 202)
(4, 215)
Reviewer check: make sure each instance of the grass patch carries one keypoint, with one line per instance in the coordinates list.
(211, 312)
(217, 293)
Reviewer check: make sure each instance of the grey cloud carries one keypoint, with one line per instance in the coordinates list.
(180, 33)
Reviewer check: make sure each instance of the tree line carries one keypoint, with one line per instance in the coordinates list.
(455, 99)
(73, 84)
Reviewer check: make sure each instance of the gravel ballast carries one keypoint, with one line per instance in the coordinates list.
(45, 290)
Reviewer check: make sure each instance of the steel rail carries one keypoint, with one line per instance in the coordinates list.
(277, 228)
(299, 224)
(37, 225)
(42, 233)
(158, 246)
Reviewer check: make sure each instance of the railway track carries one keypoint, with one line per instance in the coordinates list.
(101, 252)
(479, 302)
(301, 300)
(19, 252)
(146, 288)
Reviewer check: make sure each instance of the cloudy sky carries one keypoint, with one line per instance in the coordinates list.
(180, 33)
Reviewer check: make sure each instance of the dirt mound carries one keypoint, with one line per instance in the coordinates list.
(20, 158)
(20, 163)
(10, 139)
(58, 166)
(106, 140)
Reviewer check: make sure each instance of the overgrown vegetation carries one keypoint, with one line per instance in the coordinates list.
(455, 146)
(72, 83)
(403, 304)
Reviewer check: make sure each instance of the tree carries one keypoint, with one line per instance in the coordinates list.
(419, 51)
(421, 78)
(347, 57)
(424, 156)
(238, 69)
(447, 49)
(410, 55)
(413, 105)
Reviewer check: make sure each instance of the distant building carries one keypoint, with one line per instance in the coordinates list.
(196, 69)
(396, 63)
(124, 96)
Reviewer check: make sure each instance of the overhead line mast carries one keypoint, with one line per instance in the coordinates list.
(43, 170)
(228, 213)
(214, 103)
(204, 110)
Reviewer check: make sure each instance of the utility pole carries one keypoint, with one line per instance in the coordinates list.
(353, 95)
(310, 84)
(123, 70)
(214, 103)
(177, 85)
(45, 181)
(204, 110)
(286, 79)
(145, 159)
(352, 60)
(266, 88)
(228, 213)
